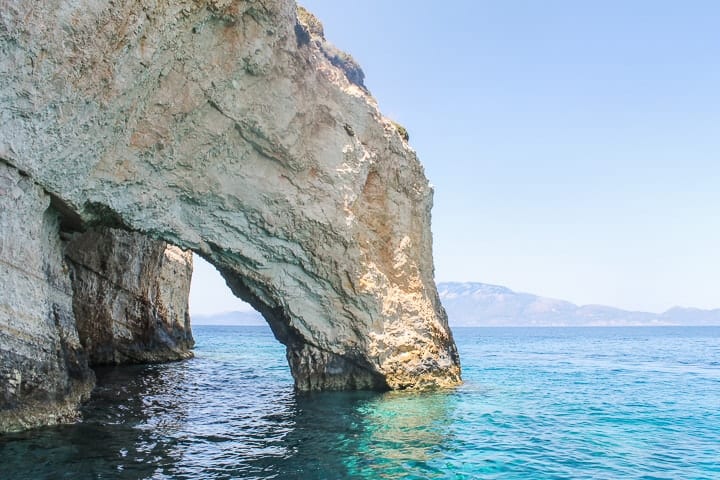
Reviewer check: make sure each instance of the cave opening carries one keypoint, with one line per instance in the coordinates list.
(218, 297)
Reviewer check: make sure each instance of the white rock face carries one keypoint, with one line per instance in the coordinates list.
(43, 369)
(224, 127)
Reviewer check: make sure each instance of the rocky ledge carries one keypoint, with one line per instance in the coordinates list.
(230, 128)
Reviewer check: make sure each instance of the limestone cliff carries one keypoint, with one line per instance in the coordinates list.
(43, 369)
(130, 297)
(232, 129)
(72, 300)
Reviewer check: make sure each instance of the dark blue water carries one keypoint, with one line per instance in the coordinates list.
(543, 403)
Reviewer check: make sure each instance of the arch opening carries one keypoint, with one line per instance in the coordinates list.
(312, 367)
(213, 303)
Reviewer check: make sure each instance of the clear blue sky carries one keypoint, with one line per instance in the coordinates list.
(574, 146)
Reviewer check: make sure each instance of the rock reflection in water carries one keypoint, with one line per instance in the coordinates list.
(231, 412)
(362, 435)
(404, 434)
(128, 429)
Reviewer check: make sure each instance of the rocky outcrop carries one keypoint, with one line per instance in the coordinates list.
(73, 300)
(224, 127)
(130, 297)
(43, 369)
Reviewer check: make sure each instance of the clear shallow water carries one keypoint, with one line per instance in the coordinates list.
(600, 403)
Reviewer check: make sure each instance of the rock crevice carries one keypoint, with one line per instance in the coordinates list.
(43, 368)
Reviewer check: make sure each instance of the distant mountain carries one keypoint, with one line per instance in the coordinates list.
(481, 304)
(247, 318)
(472, 304)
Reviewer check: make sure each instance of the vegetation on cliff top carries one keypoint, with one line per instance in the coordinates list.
(310, 28)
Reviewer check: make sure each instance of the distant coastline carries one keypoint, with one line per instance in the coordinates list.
(249, 318)
(475, 304)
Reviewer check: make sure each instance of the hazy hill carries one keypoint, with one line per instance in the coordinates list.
(481, 304)
(248, 318)
(472, 304)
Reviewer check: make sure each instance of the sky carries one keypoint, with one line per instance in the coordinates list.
(574, 147)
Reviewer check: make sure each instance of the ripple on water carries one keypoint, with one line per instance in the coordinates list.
(537, 403)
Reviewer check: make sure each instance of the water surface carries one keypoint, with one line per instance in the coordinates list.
(544, 403)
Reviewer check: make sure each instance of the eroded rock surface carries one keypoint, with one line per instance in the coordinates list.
(130, 297)
(232, 129)
(73, 300)
(43, 369)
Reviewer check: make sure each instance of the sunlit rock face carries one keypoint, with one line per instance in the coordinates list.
(233, 129)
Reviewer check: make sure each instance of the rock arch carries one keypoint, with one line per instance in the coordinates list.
(232, 129)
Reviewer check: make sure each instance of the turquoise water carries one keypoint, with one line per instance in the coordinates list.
(600, 403)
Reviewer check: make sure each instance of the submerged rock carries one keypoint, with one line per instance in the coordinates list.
(231, 129)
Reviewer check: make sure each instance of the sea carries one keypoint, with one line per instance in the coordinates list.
(537, 403)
